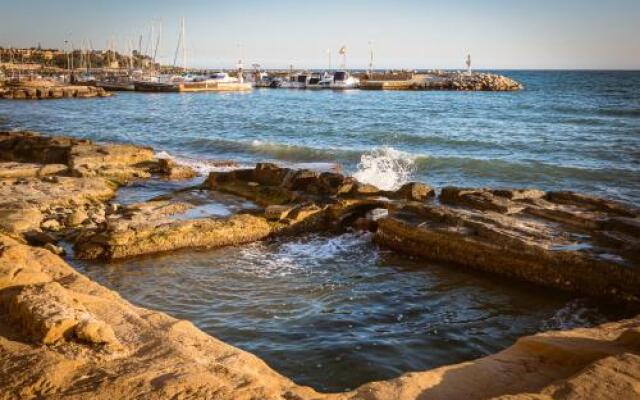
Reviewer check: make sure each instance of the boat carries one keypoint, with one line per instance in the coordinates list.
(342, 80)
(116, 83)
(319, 81)
(155, 86)
(216, 82)
(298, 81)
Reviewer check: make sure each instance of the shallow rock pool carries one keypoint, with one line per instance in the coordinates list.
(334, 312)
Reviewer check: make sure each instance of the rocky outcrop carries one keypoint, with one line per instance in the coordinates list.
(149, 233)
(25, 203)
(32, 92)
(102, 347)
(28, 170)
(64, 336)
(557, 239)
(118, 162)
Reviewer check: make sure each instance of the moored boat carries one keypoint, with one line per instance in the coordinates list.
(343, 80)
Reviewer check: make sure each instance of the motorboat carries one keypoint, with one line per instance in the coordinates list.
(319, 81)
(343, 80)
(298, 81)
(218, 81)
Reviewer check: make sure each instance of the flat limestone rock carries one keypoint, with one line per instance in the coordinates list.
(58, 190)
(48, 315)
(582, 247)
(166, 235)
(25, 170)
(120, 162)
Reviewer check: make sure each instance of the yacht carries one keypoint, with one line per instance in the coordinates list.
(218, 81)
(314, 81)
(298, 81)
(343, 80)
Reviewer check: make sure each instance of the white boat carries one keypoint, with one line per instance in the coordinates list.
(343, 80)
(218, 81)
(319, 81)
(298, 81)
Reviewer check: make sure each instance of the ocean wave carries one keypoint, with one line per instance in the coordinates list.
(286, 152)
(620, 112)
(201, 166)
(388, 167)
(385, 167)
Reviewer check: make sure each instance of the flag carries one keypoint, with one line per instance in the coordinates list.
(343, 50)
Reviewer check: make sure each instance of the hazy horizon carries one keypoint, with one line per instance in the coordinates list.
(499, 34)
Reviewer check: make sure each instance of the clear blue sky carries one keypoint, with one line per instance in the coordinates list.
(597, 34)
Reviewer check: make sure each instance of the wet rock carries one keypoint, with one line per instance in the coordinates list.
(482, 199)
(528, 238)
(137, 235)
(39, 238)
(175, 171)
(415, 191)
(58, 250)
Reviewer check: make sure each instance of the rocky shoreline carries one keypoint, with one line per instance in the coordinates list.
(63, 335)
(47, 91)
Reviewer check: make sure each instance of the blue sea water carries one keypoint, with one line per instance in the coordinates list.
(570, 130)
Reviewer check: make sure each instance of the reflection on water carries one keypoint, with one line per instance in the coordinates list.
(335, 312)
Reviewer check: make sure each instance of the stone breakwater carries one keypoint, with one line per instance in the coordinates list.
(65, 336)
(456, 81)
(32, 92)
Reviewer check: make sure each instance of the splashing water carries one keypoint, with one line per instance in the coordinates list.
(385, 167)
(203, 167)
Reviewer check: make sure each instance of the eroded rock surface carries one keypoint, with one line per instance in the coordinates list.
(120, 351)
(151, 229)
(563, 240)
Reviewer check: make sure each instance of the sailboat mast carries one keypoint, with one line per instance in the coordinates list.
(184, 48)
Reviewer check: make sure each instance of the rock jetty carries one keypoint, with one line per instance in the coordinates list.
(39, 90)
(456, 81)
(65, 336)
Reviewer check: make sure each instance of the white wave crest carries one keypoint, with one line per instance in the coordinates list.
(385, 167)
(201, 166)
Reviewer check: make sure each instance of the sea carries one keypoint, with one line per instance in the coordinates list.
(334, 312)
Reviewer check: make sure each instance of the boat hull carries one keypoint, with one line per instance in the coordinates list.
(214, 87)
(155, 87)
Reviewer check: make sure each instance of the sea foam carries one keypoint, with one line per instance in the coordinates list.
(385, 167)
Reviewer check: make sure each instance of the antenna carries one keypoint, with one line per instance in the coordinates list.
(370, 57)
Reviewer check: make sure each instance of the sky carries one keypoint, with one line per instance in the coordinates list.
(499, 34)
